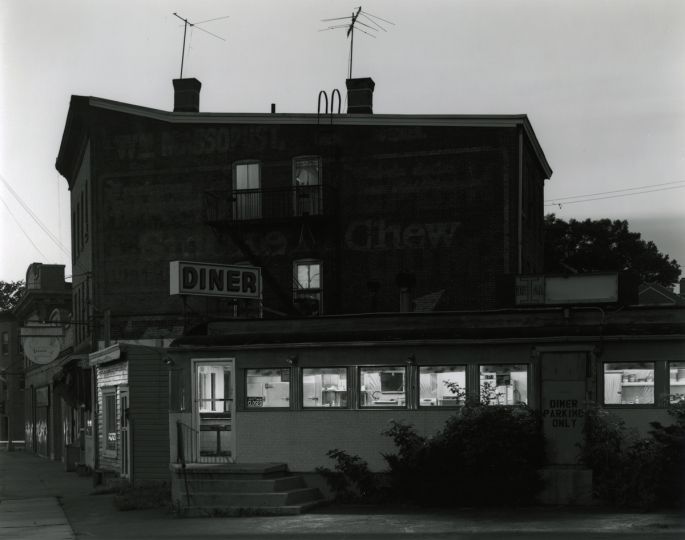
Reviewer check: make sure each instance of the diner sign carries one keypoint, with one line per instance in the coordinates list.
(204, 279)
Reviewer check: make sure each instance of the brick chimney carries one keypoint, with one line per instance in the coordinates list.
(187, 95)
(360, 95)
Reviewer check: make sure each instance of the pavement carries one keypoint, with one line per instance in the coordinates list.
(38, 499)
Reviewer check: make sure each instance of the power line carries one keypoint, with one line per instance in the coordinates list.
(615, 191)
(35, 218)
(22, 229)
(560, 204)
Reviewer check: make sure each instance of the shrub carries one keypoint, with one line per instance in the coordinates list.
(143, 496)
(483, 455)
(635, 472)
(351, 481)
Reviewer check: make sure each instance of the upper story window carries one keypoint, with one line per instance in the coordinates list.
(247, 197)
(308, 198)
(308, 287)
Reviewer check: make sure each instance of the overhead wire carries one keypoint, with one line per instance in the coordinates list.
(22, 229)
(627, 192)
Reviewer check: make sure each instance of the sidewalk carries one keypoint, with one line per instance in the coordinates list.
(38, 499)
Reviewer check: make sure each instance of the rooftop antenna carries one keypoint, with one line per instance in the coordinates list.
(186, 24)
(355, 21)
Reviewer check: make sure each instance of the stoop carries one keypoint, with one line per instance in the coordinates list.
(240, 489)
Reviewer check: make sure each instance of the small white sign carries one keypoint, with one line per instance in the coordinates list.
(204, 279)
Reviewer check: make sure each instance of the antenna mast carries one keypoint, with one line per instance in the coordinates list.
(186, 24)
(352, 26)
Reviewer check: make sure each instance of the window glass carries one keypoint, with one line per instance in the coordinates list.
(676, 381)
(5, 343)
(382, 386)
(629, 383)
(324, 387)
(110, 416)
(504, 384)
(307, 171)
(247, 176)
(267, 388)
(442, 386)
(214, 387)
(307, 292)
(247, 197)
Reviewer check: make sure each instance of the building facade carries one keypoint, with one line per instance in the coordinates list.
(11, 382)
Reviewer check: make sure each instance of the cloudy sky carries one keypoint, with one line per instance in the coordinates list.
(602, 81)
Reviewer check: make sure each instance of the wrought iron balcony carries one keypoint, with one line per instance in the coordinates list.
(249, 205)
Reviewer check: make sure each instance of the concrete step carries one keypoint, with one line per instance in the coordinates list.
(255, 500)
(240, 511)
(241, 485)
(231, 470)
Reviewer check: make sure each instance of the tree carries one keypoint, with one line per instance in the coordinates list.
(10, 294)
(604, 245)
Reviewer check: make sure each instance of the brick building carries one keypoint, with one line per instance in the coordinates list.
(342, 212)
(11, 382)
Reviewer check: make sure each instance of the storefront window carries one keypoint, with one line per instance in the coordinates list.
(324, 387)
(382, 386)
(442, 386)
(267, 388)
(629, 383)
(676, 381)
(504, 384)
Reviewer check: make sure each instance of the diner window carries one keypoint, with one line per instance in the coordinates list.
(503, 384)
(247, 196)
(267, 388)
(382, 386)
(109, 415)
(442, 386)
(307, 290)
(307, 183)
(676, 381)
(324, 387)
(629, 383)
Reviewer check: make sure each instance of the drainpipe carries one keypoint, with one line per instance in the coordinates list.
(519, 214)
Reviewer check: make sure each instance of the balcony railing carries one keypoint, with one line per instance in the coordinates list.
(269, 204)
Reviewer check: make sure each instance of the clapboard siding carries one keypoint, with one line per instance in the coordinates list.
(110, 376)
(149, 391)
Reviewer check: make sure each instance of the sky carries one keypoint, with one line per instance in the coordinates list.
(602, 82)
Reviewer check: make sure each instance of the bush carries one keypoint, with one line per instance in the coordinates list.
(351, 481)
(635, 472)
(143, 496)
(484, 455)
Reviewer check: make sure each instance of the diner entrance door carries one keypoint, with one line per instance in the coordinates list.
(213, 401)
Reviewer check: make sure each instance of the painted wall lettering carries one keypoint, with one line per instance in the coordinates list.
(564, 413)
(196, 142)
(373, 234)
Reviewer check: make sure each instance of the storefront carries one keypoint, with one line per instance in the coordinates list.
(289, 391)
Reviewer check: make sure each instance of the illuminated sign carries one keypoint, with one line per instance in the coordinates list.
(202, 279)
(42, 343)
(573, 289)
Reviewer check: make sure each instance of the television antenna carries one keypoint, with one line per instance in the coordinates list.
(356, 20)
(186, 24)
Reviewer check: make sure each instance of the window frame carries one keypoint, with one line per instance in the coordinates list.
(528, 366)
(602, 385)
(109, 392)
(406, 391)
(348, 382)
(311, 290)
(459, 404)
(245, 397)
(258, 210)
